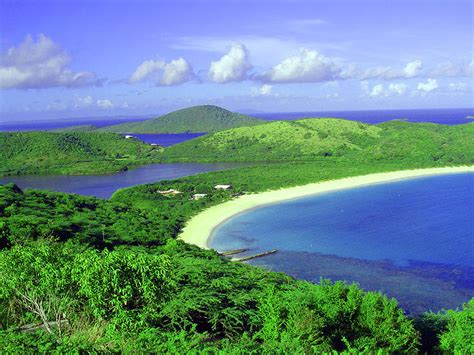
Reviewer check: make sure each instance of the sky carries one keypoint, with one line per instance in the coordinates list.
(70, 58)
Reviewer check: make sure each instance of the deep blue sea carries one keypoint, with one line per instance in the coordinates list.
(45, 125)
(442, 116)
(411, 239)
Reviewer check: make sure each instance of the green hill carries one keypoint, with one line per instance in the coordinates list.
(70, 153)
(205, 118)
(310, 139)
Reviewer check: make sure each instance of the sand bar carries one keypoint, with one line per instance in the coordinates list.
(199, 228)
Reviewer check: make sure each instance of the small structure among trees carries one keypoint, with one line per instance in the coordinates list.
(223, 187)
(170, 192)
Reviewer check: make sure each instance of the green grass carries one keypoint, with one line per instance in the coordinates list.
(313, 139)
(71, 153)
(205, 118)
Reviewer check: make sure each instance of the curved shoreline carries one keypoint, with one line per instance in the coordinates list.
(198, 230)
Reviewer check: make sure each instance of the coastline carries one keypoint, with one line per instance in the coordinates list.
(198, 230)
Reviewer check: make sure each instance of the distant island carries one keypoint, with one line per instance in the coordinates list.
(206, 118)
(84, 150)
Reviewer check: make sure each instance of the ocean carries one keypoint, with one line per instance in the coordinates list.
(441, 116)
(412, 239)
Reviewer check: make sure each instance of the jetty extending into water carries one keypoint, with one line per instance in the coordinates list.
(259, 255)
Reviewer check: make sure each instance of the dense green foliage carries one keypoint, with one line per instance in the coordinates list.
(311, 139)
(168, 295)
(205, 118)
(82, 274)
(109, 276)
(71, 153)
(459, 336)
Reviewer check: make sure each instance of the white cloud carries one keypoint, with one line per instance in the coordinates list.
(411, 70)
(458, 87)
(308, 66)
(40, 64)
(377, 90)
(176, 72)
(80, 102)
(233, 66)
(265, 89)
(430, 85)
(104, 104)
(397, 88)
(380, 91)
(449, 69)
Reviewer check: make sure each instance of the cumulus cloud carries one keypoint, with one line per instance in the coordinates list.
(104, 104)
(411, 70)
(380, 91)
(265, 89)
(449, 69)
(176, 72)
(397, 88)
(40, 64)
(307, 66)
(430, 85)
(85, 101)
(233, 66)
(377, 90)
(458, 87)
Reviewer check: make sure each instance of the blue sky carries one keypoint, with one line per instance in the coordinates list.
(99, 58)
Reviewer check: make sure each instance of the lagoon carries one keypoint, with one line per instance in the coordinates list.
(104, 186)
(411, 239)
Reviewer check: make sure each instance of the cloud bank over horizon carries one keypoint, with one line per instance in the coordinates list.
(297, 58)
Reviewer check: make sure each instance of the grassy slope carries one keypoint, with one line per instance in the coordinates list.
(70, 153)
(205, 118)
(311, 139)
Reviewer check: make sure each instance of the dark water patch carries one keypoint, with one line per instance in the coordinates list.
(417, 289)
(104, 186)
(166, 139)
(411, 239)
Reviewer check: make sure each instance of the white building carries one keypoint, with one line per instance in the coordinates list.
(170, 192)
(223, 187)
(198, 196)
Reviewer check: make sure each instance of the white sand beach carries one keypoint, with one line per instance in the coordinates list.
(199, 229)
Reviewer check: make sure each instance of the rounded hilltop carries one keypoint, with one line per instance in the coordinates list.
(204, 118)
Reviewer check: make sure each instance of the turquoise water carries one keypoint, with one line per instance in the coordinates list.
(411, 239)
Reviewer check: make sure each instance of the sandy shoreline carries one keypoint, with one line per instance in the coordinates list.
(199, 229)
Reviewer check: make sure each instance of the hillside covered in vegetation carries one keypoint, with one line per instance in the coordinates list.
(206, 118)
(311, 139)
(78, 273)
(83, 274)
(71, 153)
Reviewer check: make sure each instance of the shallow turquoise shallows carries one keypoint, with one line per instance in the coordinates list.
(411, 239)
